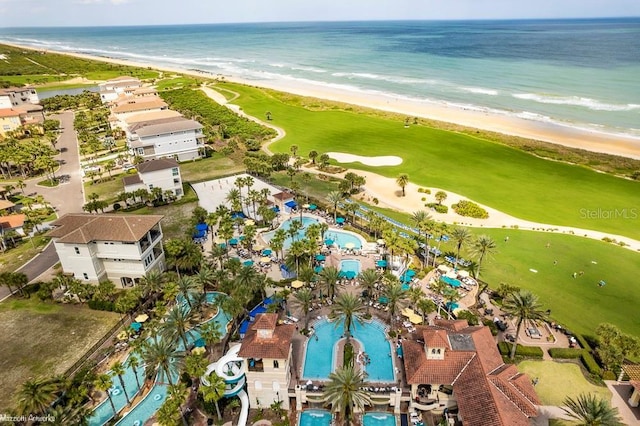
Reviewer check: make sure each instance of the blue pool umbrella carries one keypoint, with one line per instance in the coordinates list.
(342, 274)
(233, 241)
(223, 245)
(452, 306)
(329, 242)
(199, 343)
(248, 263)
(340, 220)
(317, 269)
(383, 299)
(350, 275)
(241, 237)
(135, 326)
(320, 257)
(266, 252)
(312, 207)
(202, 227)
(381, 263)
(405, 287)
(411, 273)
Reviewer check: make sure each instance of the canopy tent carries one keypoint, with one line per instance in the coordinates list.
(320, 257)
(199, 234)
(405, 287)
(312, 207)
(291, 204)
(329, 242)
(297, 284)
(383, 299)
(415, 319)
(202, 227)
(407, 312)
(452, 306)
(340, 220)
(267, 252)
(135, 326)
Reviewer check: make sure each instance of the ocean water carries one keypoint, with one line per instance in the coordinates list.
(582, 73)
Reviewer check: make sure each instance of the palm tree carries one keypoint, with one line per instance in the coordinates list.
(177, 325)
(334, 197)
(369, 278)
(345, 392)
(395, 297)
(277, 242)
(304, 299)
(152, 282)
(590, 410)
(195, 365)
(104, 382)
(214, 391)
(402, 180)
(204, 278)
(187, 287)
(210, 333)
(312, 156)
(36, 395)
(117, 369)
(134, 363)
(347, 308)
(423, 222)
(460, 236)
(440, 196)
(425, 306)
(524, 306)
(163, 355)
(482, 246)
(329, 277)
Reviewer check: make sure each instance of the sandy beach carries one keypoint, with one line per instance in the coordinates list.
(509, 125)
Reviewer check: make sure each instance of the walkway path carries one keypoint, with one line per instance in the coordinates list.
(387, 192)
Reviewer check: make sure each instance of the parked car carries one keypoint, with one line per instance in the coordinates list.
(502, 326)
(510, 337)
(126, 167)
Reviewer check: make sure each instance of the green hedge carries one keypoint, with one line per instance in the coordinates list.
(521, 351)
(470, 209)
(590, 363)
(492, 326)
(565, 353)
(440, 208)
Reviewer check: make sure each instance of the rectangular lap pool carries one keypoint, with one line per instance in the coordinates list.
(315, 418)
(379, 419)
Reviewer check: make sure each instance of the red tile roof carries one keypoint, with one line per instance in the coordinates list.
(277, 346)
(488, 392)
(12, 221)
(8, 112)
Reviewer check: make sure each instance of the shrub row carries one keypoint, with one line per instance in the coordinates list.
(102, 305)
(470, 209)
(440, 208)
(566, 353)
(590, 363)
(521, 351)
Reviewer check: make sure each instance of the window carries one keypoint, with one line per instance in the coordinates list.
(276, 364)
(140, 151)
(85, 275)
(77, 250)
(175, 171)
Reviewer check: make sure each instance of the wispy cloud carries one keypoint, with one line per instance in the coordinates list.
(114, 2)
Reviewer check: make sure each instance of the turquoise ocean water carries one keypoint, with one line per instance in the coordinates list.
(582, 73)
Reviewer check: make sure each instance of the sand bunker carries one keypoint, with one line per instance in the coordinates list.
(387, 160)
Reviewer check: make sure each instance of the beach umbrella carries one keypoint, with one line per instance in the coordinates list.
(349, 245)
(381, 263)
(317, 269)
(198, 350)
(329, 242)
(341, 274)
(241, 238)
(350, 275)
(142, 318)
(199, 343)
(267, 252)
(410, 273)
(380, 242)
(123, 335)
(312, 207)
(405, 286)
(265, 259)
(415, 319)
(463, 273)
(233, 241)
(383, 299)
(340, 220)
(135, 326)
(249, 222)
(297, 284)
(320, 257)
(248, 263)
(306, 206)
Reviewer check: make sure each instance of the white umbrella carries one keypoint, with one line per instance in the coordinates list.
(297, 284)
(463, 273)
(443, 268)
(142, 318)
(349, 245)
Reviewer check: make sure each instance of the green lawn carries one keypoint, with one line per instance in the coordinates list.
(107, 189)
(505, 178)
(209, 168)
(44, 339)
(33, 79)
(14, 258)
(176, 82)
(557, 380)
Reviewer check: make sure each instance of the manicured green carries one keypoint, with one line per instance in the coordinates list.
(176, 83)
(557, 380)
(209, 168)
(107, 188)
(44, 339)
(505, 178)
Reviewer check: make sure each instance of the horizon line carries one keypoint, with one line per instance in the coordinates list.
(576, 18)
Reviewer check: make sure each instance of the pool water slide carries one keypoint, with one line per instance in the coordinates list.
(231, 368)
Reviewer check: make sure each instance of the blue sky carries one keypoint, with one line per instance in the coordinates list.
(153, 12)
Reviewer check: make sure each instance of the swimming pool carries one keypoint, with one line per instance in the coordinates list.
(378, 419)
(315, 418)
(306, 221)
(451, 281)
(350, 265)
(343, 238)
(320, 354)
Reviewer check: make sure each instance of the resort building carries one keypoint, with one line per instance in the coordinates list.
(16, 96)
(110, 90)
(454, 366)
(162, 173)
(133, 106)
(9, 121)
(150, 117)
(120, 248)
(284, 201)
(267, 349)
(180, 138)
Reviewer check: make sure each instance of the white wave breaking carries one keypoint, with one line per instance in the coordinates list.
(579, 101)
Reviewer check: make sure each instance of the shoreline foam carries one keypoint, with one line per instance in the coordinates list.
(546, 131)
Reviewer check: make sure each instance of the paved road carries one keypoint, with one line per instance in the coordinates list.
(65, 198)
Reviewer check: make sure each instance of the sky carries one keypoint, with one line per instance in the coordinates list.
(159, 12)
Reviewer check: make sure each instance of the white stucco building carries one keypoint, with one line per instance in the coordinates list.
(162, 173)
(120, 248)
(16, 96)
(110, 90)
(179, 138)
